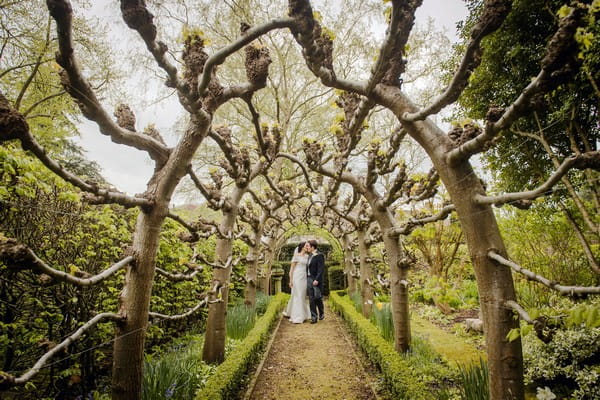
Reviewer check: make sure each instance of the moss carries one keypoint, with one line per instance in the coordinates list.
(225, 383)
(404, 380)
(454, 349)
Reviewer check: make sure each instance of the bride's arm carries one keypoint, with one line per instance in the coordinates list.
(292, 266)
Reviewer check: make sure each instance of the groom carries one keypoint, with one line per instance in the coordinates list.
(314, 270)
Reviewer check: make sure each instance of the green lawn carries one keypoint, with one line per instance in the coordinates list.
(453, 348)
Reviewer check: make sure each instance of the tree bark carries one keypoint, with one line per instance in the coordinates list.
(366, 275)
(348, 265)
(252, 267)
(398, 274)
(128, 351)
(494, 282)
(214, 340)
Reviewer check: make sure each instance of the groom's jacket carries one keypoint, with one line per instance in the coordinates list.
(316, 268)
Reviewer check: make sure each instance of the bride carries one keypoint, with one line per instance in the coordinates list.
(297, 308)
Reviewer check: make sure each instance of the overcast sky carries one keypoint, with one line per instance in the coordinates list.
(129, 169)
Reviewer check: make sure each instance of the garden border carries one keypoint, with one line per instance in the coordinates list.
(400, 377)
(226, 381)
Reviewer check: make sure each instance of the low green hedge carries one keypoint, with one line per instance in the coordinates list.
(226, 381)
(403, 379)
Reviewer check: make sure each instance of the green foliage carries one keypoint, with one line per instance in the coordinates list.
(474, 381)
(356, 299)
(542, 240)
(177, 374)
(569, 365)
(336, 277)
(435, 290)
(262, 302)
(406, 377)
(240, 320)
(229, 376)
(381, 317)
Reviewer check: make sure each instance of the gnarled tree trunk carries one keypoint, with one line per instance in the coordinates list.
(366, 274)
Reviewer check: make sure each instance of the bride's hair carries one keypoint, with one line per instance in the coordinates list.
(298, 249)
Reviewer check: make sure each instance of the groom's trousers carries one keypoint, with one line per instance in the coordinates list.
(314, 302)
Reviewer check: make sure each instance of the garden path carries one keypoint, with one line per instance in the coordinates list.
(313, 361)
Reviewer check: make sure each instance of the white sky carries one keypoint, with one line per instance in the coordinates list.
(129, 169)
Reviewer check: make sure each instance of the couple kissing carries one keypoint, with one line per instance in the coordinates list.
(306, 281)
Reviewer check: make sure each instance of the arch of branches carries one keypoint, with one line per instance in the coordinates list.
(352, 181)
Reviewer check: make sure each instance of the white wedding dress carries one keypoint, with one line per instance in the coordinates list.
(297, 308)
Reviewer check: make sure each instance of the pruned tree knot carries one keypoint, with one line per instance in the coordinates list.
(494, 114)
(462, 134)
(12, 124)
(257, 64)
(590, 159)
(137, 16)
(14, 254)
(151, 131)
(125, 117)
(494, 13)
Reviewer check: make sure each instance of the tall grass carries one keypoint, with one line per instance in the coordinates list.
(262, 302)
(474, 381)
(240, 320)
(381, 317)
(356, 299)
(176, 375)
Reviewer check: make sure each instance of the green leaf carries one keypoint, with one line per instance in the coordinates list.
(513, 334)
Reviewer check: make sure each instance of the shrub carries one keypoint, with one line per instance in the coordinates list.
(336, 278)
(569, 364)
(228, 377)
(407, 377)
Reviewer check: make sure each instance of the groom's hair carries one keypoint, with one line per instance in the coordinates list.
(313, 243)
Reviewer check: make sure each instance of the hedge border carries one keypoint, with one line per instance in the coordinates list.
(400, 377)
(228, 377)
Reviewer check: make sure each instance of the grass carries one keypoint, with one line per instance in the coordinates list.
(451, 347)
(240, 320)
(381, 317)
(177, 374)
(474, 381)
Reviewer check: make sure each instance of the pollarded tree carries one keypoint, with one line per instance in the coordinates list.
(200, 95)
(450, 154)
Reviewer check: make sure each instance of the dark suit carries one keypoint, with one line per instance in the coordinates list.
(315, 270)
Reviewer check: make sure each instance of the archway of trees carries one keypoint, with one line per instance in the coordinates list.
(254, 148)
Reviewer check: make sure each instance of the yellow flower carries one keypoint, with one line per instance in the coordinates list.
(379, 305)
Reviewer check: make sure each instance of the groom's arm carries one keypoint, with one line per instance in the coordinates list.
(320, 267)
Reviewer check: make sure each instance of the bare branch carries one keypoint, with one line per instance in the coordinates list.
(564, 290)
(14, 126)
(215, 265)
(304, 170)
(585, 160)
(411, 224)
(491, 18)
(19, 256)
(179, 316)
(178, 277)
(9, 380)
(220, 56)
(76, 85)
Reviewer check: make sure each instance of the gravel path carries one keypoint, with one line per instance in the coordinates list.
(313, 361)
